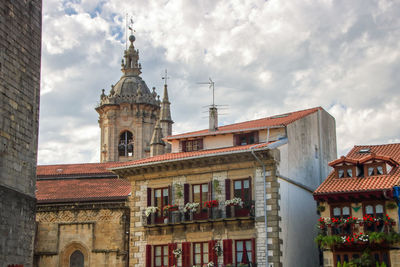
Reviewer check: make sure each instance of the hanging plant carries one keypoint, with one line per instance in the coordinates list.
(391, 205)
(178, 191)
(217, 187)
(321, 208)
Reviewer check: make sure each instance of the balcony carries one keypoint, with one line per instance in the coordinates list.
(216, 214)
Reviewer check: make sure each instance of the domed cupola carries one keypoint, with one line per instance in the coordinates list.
(130, 88)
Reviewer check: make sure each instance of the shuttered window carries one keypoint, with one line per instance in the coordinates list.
(227, 251)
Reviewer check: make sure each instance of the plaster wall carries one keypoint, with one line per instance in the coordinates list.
(299, 217)
(311, 146)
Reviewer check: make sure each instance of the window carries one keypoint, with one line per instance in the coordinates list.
(375, 169)
(200, 253)
(246, 139)
(161, 256)
(161, 199)
(76, 259)
(343, 257)
(200, 195)
(344, 172)
(375, 210)
(244, 251)
(125, 145)
(192, 145)
(341, 211)
(242, 189)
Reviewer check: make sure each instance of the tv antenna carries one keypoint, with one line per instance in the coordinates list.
(211, 85)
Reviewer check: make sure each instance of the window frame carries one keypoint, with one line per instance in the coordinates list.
(201, 253)
(160, 215)
(201, 214)
(198, 142)
(376, 228)
(244, 244)
(162, 255)
(247, 136)
(349, 228)
(375, 165)
(243, 211)
(345, 168)
(126, 141)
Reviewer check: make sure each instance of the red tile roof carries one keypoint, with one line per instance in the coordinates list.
(391, 152)
(74, 190)
(273, 121)
(188, 155)
(75, 170)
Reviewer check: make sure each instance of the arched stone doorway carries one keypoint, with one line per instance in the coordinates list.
(74, 255)
(77, 259)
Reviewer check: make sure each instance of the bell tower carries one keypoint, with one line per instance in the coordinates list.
(128, 113)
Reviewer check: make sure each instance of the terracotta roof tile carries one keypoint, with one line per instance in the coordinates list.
(73, 190)
(75, 170)
(277, 120)
(333, 185)
(186, 155)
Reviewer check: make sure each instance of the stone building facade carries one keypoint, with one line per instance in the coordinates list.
(20, 50)
(82, 216)
(276, 161)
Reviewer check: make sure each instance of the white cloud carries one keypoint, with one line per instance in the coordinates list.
(266, 57)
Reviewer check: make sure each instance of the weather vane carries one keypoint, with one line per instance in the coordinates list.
(211, 83)
(165, 77)
(128, 26)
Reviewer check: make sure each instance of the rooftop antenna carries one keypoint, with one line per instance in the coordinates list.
(165, 78)
(211, 85)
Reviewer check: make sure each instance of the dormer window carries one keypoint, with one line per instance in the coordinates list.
(345, 172)
(245, 139)
(375, 169)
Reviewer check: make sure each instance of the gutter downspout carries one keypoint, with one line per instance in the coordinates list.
(265, 200)
(396, 195)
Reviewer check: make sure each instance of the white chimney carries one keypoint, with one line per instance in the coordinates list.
(213, 119)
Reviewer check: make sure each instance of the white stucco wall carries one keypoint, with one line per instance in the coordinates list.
(299, 217)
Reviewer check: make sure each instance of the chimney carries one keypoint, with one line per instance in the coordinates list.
(213, 120)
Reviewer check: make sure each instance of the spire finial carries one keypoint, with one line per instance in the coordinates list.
(165, 78)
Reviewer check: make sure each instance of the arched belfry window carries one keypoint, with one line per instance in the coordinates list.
(77, 259)
(125, 145)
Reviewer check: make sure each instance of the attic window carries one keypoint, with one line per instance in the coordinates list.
(245, 139)
(344, 172)
(192, 145)
(364, 150)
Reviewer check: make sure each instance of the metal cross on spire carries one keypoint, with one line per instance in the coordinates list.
(165, 78)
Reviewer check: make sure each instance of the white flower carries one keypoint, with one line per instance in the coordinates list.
(210, 264)
(237, 201)
(150, 210)
(192, 207)
(177, 252)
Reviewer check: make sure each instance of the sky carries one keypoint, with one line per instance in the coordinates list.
(265, 57)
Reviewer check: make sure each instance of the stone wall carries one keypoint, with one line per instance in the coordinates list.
(20, 48)
(99, 231)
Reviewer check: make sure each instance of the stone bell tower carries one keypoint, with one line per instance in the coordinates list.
(128, 114)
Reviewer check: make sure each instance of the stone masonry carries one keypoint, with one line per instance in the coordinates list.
(20, 48)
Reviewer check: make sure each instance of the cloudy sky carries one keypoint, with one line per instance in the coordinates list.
(266, 58)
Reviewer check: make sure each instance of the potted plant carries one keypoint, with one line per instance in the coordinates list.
(177, 252)
(237, 201)
(150, 210)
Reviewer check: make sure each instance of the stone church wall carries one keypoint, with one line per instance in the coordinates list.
(20, 48)
(100, 232)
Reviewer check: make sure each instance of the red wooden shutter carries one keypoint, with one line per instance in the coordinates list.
(182, 146)
(171, 257)
(228, 196)
(169, 195)
(149, 203)
(212, 255)
(227, 250)
(250, 190)
(253, 250)
(148, 255)
(186, 254)
(201, 144)
(236, 140)
(186, 193)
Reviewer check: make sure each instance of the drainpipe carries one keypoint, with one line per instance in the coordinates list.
(396, 194)
(265, 199)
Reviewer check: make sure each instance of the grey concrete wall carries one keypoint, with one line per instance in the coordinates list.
(311, 146)
(20, 50)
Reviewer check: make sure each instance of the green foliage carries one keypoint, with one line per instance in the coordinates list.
(321, 208)
(391, 205)
(178, 189)
(338, 264)
(217, 187)
(327, 240)
(383, 264)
